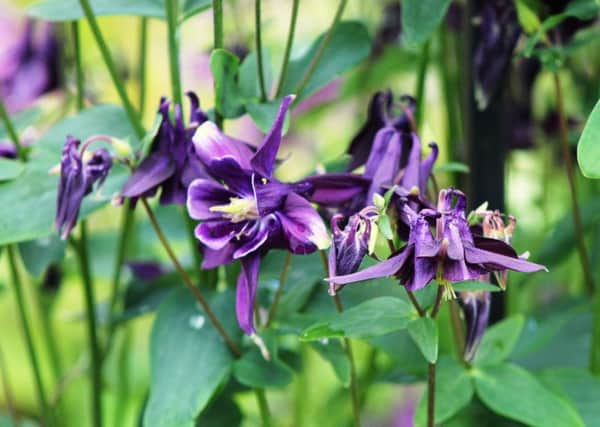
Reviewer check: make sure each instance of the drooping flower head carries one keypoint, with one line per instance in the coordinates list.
(441, 246)
(170, 165)
(245, 210)
(77, 179)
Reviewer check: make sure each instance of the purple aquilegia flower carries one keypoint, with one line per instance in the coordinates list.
(30, 66)
(170, 165)
(476, 308)
(441, 246)
(77, 179)
(245, 211)
(351, 244)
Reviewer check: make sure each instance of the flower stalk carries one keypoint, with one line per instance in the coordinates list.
(282, 279)
(218, 43)
(421, 79)
(259, 57)
(288, 48)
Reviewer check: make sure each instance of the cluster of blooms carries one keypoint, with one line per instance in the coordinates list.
(244, 211)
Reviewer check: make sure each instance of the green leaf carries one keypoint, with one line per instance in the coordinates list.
(70, 10)
(513, 392)
(579, 387)
(475, 285)
(189, 361)
(225, 67)
(420, 19)
(32, 195)
(453, 391)
(377, 316)
(10, 169)
(142, 297)
(527, 14)
(349, 45)
(333, 352)
(249, 85)
(499, 341)
(254, 371)
(424, 333)
(264, 114)
(40, 253)
(588, 149)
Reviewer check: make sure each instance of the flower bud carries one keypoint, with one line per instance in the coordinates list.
(476, 308)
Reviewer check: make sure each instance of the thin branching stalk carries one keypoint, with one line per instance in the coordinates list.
(9, 396)
(80, 94)
(263, 407)
(431, 370)
(171, 7)
(12, 133)
(288, 48)
(218, 43)
(282, 279)
(421, 80)
(415, 303)
(320, 50)
(259, 58)
(143, 47)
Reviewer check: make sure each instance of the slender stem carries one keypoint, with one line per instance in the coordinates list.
(218, 42)
(96, 359)
(142, 64)
(171, 7)
(431, 395)
(80, 97)
(566, 154)
(354, 394)
(420, 89)
(415, 303)
(9, 396)
(438, 302)
(132, 115)
(280, 286)
(457, 329)
(320, 51)
(288, 48)
(12, 133)
(259, 62)
(263, 406)
(203, 275)
(188, 281)
(33, 358)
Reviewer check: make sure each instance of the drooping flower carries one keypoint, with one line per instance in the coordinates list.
(245, 210)
(441, 246)
(77, 179)
(476, 308)
(351, 245)
(29, 65)
(170, 165)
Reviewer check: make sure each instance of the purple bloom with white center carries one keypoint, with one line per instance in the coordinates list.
(77, 179)
(170, 165)
(245, 211)
(441, 246)
(351, 244)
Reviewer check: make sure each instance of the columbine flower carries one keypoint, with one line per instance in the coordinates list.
(170, 165)
(351, 244)
(245, 211)
(476, 308)
(77, 179)
(450, 252)
(29, 67)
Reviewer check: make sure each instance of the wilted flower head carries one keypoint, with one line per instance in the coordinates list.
(77, 179)
(245, 211)
(441, 246)
(476, 308)
(29, 66)
(351, 244)
(170, 165)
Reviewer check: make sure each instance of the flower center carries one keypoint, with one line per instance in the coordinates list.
(238, 209)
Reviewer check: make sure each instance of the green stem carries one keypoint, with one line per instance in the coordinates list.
(9, 396)
(218, 43)
(288, 47)
(171, 7)
(566, 154)
(80, 97)
(320, 51)
(420, 89)
(33, 358)
(354, 393)
(12, 133)
(142, 64)
(415, 303)
(96, 359)
(263, 406)
(432, 366)
(188, 281)
(132, 115)
(259, 62)
(279, 291)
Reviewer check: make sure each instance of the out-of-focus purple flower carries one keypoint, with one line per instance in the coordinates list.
(390, 28)
(146, 271)
(170, 165)
(8, 150)
(29, 66)
(77, 179)
(245, 211)
(496, 38)
(441, 246)
(351, 245)
(328, 93)
(521, 115)
(476, 308)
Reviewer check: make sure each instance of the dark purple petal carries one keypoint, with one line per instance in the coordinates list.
(213, 258)
(423, 271)
(263, 160)
(383, 165)
(386, 268)
(496, 261)
(204, 194)
(271, 195)
(216, 234)
(213, 145)
(258, 233)
(476, 308)
(335, 189)
(196, 114)
(97, 167)
(71, 188)
(246, 293)
(302, 226)
(427, 167)
(412, 170)
(237, 179)
(146, 271)
(459, 271)
(152, 172)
